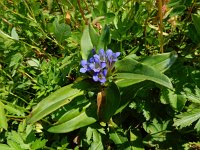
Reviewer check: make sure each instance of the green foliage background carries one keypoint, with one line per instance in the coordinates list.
(153, 99)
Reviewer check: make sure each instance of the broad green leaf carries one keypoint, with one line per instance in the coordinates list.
(177, 10)
(33, 63)
(192, 94)
(137, 72)
(56, 100)
(61, 31)
(15, 59)
(3, 120)
(83, 119)
(197, 126)
(192, 33)
(173, 3)
(160, 62)
(73, 109)
(196, 21)
(38, 144)
(157, 130)
(94, 36)
(97, 142)
(14, 145)
(5, 147)
(86, 43)
(176, 101)
(156, 77)
(13, 110)
(111, 104)
(187, 118)
(104, 39)
(127, 82)
(14, 34)
(118, 137)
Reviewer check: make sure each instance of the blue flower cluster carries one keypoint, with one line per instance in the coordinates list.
(100, 64)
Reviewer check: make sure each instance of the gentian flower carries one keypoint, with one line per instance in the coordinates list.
(95, 64)
(100, 76)
(99, 64)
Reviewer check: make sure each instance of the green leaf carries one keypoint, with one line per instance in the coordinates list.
(97, 142)
(160, 62)
(14, 145)
(38, 144)
(56, 100)
(13, 110)
(74, 108)
(33, 62)
(187, 118)
(61, 31)
(84, 118)
(137, 72)
(176, 101)
(94, 36)
(14, 34)
(111, 104)
(192, 94)
(157, 130)
(118, 137)
(192, 33)
(86, 43)
(196, 21)
(5, 147)
(15, 59)
(127, 82)
(104, 39)
(173, 3)
(177, 10)
(3, 120)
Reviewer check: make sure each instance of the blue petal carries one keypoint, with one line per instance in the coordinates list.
(117, 54)
(96, 70)
(104, 72)
(109, 53)
(83, 70)
(92, 66)
(91, 60)
(83, 63)
(101, 52)
(102, 80)
(96, 58)
(95, 78)
(103, 64)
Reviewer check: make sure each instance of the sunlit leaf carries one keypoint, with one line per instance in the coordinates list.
(187, 118)
(176, 101)
(14, 34)
(84, 118)
(104, 38)
(61, 31)
(3, 119)
(5, 147)
(137, 72)
(118, 137)
(160, 62)
(86, 43)
(196, 20)
(56, 100)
